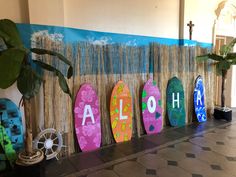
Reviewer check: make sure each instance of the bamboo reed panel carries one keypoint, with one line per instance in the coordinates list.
(104, 65)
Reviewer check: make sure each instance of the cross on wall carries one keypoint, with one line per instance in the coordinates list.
(190, 25)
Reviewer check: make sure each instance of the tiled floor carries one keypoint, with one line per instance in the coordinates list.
(198, 150)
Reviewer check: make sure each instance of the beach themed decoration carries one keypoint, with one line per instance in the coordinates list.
(151, 107)
(121, 112)
(175, 102)
(87, 118)
(198, 98)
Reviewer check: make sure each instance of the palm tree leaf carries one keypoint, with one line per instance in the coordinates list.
(225, 49)
(223, 65)
(10, 66)
(62, 81)
(10, 34)
(58, 55)
(211, 56)
(230, 56)
(29, 82)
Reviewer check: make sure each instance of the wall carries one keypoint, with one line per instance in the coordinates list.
(202, 13)
(233, 96)
(16, 10)
(46, 12)
(155, 18)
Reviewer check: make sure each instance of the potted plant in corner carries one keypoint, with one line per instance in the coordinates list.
(17, 66)
(223, 63)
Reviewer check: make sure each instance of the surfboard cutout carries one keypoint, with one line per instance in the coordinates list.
(175, 102)
(11, 133)
(121, 112)
(87, 118)
(11, 120)
(198, 99)
(151, 107)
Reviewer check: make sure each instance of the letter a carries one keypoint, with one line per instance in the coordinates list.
(88, 113)
(175, 100)
(121, 106)
(151, 104)
(199, 97)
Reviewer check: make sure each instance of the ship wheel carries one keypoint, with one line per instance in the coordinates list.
(50, 142)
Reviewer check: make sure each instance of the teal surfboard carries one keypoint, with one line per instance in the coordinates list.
(175, 102)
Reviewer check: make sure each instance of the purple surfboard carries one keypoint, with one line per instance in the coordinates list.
(87, 118)
(151, 107)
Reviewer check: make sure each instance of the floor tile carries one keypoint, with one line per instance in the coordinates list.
(78, 161)
(220, 143)
(197, 175)
(173, 171)
(195, 166)
(103, 173)
(206, 148)
(211, 157)
(151, 172)
(109, 154)
(216, 167)
(131, 169)
(188, 147)
(171, 154)
(172, 163)
(224, 150)
(188, 130)
(59, 168)
(152, 161)
(201, 141)
(135, 146)
(231, 158)
(220, 174)
(190, 155)
(229, 167)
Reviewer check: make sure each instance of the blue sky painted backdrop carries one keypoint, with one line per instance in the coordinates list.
(72, 35)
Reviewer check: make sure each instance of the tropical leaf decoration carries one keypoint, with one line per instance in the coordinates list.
(16, 65)
(223, 63)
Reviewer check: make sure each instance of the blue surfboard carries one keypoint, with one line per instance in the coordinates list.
(175, 102)
(198, 99)
(11, 120)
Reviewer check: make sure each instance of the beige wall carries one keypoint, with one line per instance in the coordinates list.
(202, 13)
(46, 12)
(16, 10)
(150, 18)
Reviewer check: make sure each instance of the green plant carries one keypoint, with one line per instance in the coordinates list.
(16, 65)
(223, 63)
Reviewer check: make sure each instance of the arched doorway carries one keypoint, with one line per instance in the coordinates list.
(224, 32)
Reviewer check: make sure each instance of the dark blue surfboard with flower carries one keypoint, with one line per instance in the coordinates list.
(198, 99)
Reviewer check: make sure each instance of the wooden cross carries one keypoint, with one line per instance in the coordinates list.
(191, 25)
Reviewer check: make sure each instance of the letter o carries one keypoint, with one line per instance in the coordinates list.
(151, 104)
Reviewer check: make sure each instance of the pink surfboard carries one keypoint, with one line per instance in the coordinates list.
(87, 118)
(151, 107)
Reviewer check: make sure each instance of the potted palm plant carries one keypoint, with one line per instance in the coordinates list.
(16, 65)
(223, 63)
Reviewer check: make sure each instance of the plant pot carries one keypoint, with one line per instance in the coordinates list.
(35, 170)
(223, 113)
(30, 165)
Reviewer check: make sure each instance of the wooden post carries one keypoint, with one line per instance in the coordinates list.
(28, 127)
